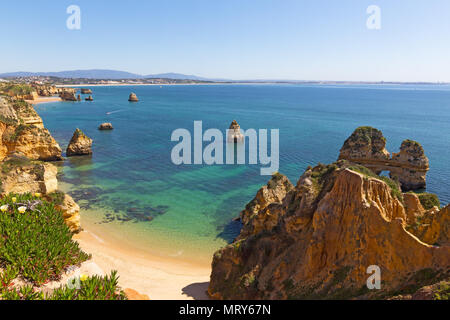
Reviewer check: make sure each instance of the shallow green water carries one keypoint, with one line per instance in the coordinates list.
(130, 182)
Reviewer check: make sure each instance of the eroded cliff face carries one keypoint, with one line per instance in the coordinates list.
(367, 147)
(20, 175)
(22, 130)
(24, 144)
(330, 228)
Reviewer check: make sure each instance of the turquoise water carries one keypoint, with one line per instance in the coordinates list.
(130, 182)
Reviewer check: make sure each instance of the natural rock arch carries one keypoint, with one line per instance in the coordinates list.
(367, 147)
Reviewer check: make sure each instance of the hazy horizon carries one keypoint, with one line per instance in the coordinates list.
(238, 40)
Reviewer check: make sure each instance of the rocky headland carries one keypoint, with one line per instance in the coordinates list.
(317, 239)
(367, 147)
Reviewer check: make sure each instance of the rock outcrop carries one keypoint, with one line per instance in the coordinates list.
(68, 94)
(258, 215)
(329, 229)
(133, 98)
(89, 98)
(86, 91)
(234, 133)
(106, 126)
(433, 227)
(71, 213)
(21, 175)
(367, 147)
(22, 130)
(79, 145)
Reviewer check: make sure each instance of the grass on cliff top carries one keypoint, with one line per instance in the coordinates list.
(34, 239)
(428, 200)
(366, 133)
(396, 190)
(17, 89)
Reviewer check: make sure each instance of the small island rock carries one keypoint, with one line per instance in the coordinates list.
(86, 91)
(106, 126)
(133, 98)
(234, 134)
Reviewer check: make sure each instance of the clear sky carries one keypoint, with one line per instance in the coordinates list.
(234, 39)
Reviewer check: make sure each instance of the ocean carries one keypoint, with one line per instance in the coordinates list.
(131, 187)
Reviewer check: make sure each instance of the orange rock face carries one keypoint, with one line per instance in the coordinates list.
(330, 228)
(22, 130)
(134, 295)
(367, 147)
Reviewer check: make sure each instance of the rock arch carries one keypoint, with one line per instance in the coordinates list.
(367, 147)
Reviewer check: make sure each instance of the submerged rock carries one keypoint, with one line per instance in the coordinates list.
(79, 145)
(106, 126)
(133, 98)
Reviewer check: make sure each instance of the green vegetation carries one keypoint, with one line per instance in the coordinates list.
(17, 89)
(366, 134)
(320, 174)
(275, 178)
(394, 185)
(8, 121)
(11, 163)
(56, 197)
(90, 288)
(34, 240)
(37, 246)
(23, 108)
(443, 291)
(429, 200)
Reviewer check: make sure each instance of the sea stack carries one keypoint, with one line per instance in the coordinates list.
(89, 98)
(80, 144)
(234, 134)
(79, 98)
(68, 95)
(86, 91)
(133, 97)
(106, 126)
(367, 147)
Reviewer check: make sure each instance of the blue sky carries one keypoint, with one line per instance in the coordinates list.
(235, 39)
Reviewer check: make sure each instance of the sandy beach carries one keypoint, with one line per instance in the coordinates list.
(44, 100)
(159, 278)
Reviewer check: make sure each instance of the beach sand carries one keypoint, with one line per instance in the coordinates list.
(44, 100)
(159, 278)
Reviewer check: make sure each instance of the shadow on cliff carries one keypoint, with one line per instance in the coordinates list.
(230, 231)
(197, 291)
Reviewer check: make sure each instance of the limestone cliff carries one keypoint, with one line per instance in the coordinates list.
(261, 214)
(367, 147)
(330, 228)
(71, 213)
(20, 175)
(22, 130)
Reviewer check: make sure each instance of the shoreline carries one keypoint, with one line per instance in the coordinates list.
(41, 100)
(160, 278)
